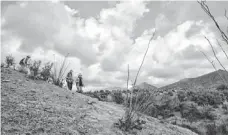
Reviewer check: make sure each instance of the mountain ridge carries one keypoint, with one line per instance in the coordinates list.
(206, 81)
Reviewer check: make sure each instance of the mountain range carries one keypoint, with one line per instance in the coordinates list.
(207, 81)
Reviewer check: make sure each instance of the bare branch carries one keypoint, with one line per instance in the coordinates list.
(143, 59)
(135, 105)
(212, 63)
(207, 11)
(127, 75)
(222, 49)
(215, 53)
(226, 15)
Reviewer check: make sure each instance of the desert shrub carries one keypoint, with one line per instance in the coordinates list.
(182, 96)
(211, 129)
(225, 107)
(192, 112)
(10, 61)
(206, 112)
(217, 129)
(225, 93)
(222, 129)
(222, 87)
(34, 68)
(46, 71)
(2, 65)
(130, 122)
(193, 129)
(58, 73)
(189, 111)
(213, 98)
(118, 97)
(152, 111)
(107, 92)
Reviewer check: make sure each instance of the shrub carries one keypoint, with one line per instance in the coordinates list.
(219, 129)
(35, 69)
(213, 98)
(211, 129)
(222, 87)
(10, 61)
(182, 96)
(193, 129)
(46, 71)
(225, 93)
(206, 112)
(58, 73)
(152, 111)
(130, 122)
(192, 112)
(225, 107)
(118, 97)
(2, 65)
(223, 128)
(189, 111)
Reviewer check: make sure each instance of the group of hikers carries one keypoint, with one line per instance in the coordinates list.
(25, 63)
(70, 81)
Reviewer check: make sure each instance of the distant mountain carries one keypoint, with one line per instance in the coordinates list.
(114, 88)
(145, 86)
(210, 80)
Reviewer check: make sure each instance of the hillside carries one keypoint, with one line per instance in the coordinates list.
(210, 80)
(36, 107)
(145, 86)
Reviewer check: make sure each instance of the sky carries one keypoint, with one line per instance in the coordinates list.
(103, 38)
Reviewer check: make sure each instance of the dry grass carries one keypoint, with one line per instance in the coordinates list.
(59, 72)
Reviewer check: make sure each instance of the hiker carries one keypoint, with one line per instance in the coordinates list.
(69, 80)
(24, 65)
(79, 83)
(25, 61)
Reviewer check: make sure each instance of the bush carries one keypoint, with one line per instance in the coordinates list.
(219, 129)
(58, 73)
(211, 129)
(223, 128)
(206, 112)
(2, 65)
(10, 61)
(182, 96)
(35, 69)
(225, 107)
(192, 112)
(213, 98)
(46, 71)
(130, 121)
(222, 87)
(189, 111)
(118, 97)
(152, 111)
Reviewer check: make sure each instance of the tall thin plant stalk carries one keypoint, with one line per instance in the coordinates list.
(58, 74)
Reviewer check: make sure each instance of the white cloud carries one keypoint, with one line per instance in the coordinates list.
(101, 47)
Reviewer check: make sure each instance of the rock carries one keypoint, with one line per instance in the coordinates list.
(91, 102)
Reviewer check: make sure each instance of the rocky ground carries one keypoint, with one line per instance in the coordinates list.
(32, 107)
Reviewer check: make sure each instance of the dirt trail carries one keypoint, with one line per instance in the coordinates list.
(35, 107)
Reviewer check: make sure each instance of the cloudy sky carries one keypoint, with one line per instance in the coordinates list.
(102, 38)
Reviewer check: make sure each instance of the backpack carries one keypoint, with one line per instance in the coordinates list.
(22, 62)
(69, 77)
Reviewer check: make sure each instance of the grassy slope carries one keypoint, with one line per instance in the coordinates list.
(36, 107)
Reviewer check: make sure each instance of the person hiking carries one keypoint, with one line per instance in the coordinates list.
(69, 80)
(24, 65)
(79, 83)
(25, 61)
